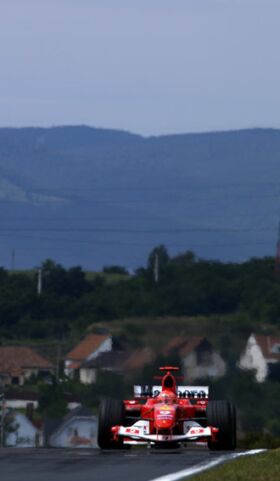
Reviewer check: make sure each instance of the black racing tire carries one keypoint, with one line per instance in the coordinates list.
(234, 424)
(111, 413)
(222, 415)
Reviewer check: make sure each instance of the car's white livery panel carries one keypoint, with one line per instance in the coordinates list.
(140, 431)
(182, 391)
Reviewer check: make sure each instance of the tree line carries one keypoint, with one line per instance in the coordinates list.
(180, 285)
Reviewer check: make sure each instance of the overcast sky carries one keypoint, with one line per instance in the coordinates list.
(148, 66)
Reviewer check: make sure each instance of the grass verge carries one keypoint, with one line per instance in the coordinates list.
(261, 467)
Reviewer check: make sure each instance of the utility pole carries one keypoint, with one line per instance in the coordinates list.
(58, 357)
(277, 257)
(156, 268)
(13, 260)
(39, 282)
(2, 434)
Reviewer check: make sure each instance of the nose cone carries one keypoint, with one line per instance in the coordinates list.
(165, 416)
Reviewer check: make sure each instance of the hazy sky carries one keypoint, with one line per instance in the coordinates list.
(148, 66)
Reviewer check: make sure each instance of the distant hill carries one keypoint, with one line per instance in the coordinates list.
(97, 197)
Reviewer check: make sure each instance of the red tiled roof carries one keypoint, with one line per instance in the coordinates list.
(267, 343)
(86, 347)
(111, 359)
(74, 365)
(183, 345)
(14, 359)
(139, 358)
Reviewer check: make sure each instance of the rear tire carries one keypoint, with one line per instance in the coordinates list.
(111, 413)
(222, 415)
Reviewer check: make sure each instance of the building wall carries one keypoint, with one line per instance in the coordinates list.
(22, 404)
(5, 379)
(87, 376)
(25, 434)
(104, 347)
(36, 371)
(253, 359)
(215, 366)
(78, 432)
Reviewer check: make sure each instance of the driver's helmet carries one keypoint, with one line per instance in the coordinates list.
(167, 397)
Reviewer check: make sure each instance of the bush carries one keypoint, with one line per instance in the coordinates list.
(259, 441)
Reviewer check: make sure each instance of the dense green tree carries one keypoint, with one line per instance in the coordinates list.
(115, 270)
(52, 402)
(186, 285)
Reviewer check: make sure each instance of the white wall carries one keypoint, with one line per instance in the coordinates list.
(19, 403)
(22, 404)
(87, 376)
(78, 432)
(215, 367)
(106, 346)
(253, 359)
(25, 435)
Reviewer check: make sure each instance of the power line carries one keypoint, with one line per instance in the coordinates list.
(127, 243)
(138, 231)
(154, 188)
(171, 200)
(164, 190)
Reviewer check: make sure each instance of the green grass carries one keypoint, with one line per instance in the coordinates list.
(219, 329)
(110, 278)
(261, 467)
(32, 273)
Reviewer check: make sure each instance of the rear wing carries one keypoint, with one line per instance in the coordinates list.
(182, 391)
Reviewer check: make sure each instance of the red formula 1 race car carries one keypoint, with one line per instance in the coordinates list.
(167, 415)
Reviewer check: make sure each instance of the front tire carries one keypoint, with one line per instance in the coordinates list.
(222, 415)
(111, 413)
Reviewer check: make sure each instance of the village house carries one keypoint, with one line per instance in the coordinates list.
(106, 361)
(199, 358)
(78, 429)
(24, 398)
(89, 348)
(261, 354)
(119, 361)
(23, 432)
(18, 364)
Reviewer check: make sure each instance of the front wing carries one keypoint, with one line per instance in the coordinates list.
(138, 433)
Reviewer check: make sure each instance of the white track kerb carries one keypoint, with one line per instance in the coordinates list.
(185, 473)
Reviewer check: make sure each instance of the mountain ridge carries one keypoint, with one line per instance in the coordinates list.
(155, 185)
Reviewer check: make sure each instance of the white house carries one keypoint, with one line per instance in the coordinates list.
(21, 399)
(106, 361)
(24, 434)
(261, 352)
(78, 429)
(199, 358)
(88, 349)
(118, 361)
(19, 363)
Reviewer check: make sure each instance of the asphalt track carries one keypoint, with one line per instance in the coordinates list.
(94, 465)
